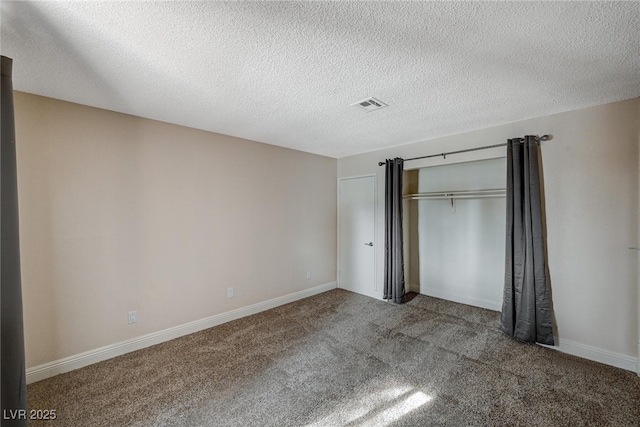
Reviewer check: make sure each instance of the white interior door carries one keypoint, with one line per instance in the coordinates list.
(356, 239)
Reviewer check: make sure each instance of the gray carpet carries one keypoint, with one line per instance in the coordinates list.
(344, 359)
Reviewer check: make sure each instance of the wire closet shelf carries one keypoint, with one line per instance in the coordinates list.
(461, 194)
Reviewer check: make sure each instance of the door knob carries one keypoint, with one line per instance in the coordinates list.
(369, 244)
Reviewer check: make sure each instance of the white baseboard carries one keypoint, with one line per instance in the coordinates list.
(81, 360)
(476, 302)
(607, 357)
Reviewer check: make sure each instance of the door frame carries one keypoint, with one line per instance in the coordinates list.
(638, 262)
(375, 228)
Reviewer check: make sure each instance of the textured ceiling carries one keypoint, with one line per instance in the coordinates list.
(285, 73)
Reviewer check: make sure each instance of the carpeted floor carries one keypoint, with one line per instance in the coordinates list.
(344, 359)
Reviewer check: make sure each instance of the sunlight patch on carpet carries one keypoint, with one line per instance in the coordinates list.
(376, 409)
(399, 410)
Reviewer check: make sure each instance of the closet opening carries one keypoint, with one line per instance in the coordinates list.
(454, 226)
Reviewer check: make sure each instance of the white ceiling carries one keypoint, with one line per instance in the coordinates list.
(285, 73)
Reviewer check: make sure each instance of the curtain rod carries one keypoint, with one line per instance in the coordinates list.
(444, 155)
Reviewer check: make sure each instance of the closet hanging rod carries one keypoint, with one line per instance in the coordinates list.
(541, 138)
(462, 194)
(471, 196)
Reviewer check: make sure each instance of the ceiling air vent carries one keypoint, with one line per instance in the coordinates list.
(370, 104)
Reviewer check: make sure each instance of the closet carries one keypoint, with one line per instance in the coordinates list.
(454, 226)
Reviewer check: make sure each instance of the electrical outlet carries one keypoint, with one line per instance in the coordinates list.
(229, 292)
(308, 275)
(133, 317)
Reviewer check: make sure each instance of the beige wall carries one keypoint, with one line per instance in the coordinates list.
(120, 213)
(591, 184)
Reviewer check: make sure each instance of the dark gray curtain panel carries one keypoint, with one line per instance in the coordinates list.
(14, 385)
(526, 314)
(393, 252)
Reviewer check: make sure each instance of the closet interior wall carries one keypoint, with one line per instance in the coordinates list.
(410, 231)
